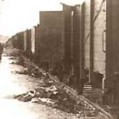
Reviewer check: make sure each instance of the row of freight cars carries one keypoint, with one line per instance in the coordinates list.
(79, 43)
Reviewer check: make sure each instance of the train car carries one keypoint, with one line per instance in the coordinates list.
(27, 43)
(9, 43)
(51, 44)
(112, 41)
(94, 42)
(37, 44)
(35, 40)
(17, 41)
(72, 42)
(84, 38)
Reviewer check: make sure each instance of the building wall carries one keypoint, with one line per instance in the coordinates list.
(51, 36)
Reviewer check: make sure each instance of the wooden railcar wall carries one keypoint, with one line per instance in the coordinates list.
(37, 44)
(51, 48)
(95, 26)
(33, 40)
(28, 43)
(67, 38)
(112, 49)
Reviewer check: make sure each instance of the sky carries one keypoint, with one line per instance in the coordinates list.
(18, 15)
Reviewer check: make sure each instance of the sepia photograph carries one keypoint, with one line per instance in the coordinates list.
(59, 59)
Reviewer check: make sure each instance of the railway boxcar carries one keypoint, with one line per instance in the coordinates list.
(51, 44)
(94, 42)
(17, 41)
(84, 30)
(27, 43)
(112, 40)
(82, 37)
(35, 40)
(72, 40)
(37, 43)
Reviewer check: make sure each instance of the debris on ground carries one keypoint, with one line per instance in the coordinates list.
(28, 69)
(57, 98)
(52, 93)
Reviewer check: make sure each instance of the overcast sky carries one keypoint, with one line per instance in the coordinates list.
(17, 15)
